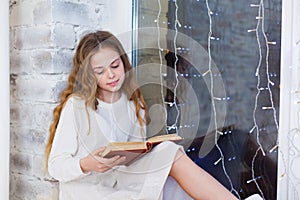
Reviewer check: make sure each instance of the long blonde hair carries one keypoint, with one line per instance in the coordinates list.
(82, 81)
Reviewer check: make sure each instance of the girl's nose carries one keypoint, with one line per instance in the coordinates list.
(110, 73)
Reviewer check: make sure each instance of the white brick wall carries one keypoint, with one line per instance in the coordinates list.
(43, 35)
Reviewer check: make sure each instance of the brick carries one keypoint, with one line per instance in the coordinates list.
(20, 62)
(25, 62)
(26, 187)
(64, 36)
(42, 12)
(51, 62)
(70, 13)
(31, 140)
(97, 13)
(21, 163)
(41, 61)
(40, 116)
(21, 13)
(33, 37)
(62, 61)
(38, 90)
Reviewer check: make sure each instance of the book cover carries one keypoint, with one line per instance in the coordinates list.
(134, 150)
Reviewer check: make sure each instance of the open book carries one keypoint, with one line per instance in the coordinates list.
(133, 150)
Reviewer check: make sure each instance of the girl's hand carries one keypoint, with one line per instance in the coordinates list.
(94, 162)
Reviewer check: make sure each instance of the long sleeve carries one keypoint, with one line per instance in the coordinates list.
(63, 165)
(138, 132)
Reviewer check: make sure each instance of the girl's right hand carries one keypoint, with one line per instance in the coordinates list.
(96, 163)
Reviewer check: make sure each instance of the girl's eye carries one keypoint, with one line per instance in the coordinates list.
(98, 72)
(115, 66)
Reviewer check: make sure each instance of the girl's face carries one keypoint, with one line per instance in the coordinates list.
(109, 71)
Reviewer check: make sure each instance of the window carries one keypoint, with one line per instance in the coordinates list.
(212, 70)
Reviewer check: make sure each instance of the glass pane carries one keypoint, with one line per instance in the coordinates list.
(213, 66)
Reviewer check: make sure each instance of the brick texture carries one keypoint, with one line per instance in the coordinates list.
(43, 35)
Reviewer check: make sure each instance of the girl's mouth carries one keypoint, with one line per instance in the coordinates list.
(113, 84)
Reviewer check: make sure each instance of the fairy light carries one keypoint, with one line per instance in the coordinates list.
(258, 79)
(160, 62)
(251, 180)
(268, 88)
(221, 133)
(205, 73)
(261, 90)
(220, 159)
(267, 108)
(260, 23)
(260, 32)
(254, 5)
(253, 175)
(209, 13)
(177, 23)
(252, 129)
(267, 73)
(221, 99)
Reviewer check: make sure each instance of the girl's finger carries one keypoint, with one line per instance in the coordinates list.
(120, 160)
(110, 161)
(117, 161)
(102, 168)
(107, 161)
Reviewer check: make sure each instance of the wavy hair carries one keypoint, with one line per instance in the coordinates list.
(83, 83)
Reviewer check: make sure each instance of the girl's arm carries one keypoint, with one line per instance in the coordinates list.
(62, 163)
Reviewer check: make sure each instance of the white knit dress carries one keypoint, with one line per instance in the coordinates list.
(145, 179)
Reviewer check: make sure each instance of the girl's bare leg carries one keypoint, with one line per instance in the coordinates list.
(197, 182)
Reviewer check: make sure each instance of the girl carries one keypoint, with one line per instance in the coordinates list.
(102, 103)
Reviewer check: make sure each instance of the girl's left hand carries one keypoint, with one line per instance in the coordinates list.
(96, 163)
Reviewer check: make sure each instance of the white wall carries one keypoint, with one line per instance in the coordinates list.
(120, 21)
(289, 133)
(4, 105)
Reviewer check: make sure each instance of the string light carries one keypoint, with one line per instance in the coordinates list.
(220, 159)
(177, 23)
(209, 13)
(211, 37)
(260, 89)
(221, 99)
(254, 5)
(214, 38)
(251, 30)
(253, 174)
(266, 108)
(273, 149)
(160, 61)
(267, 73)
(221, 133)
(252, 129)
(260, 23)
(205, 73)
(249, 181)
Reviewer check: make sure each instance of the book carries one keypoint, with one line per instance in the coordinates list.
(134, 150)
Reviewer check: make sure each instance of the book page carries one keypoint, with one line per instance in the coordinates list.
(167, 137)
